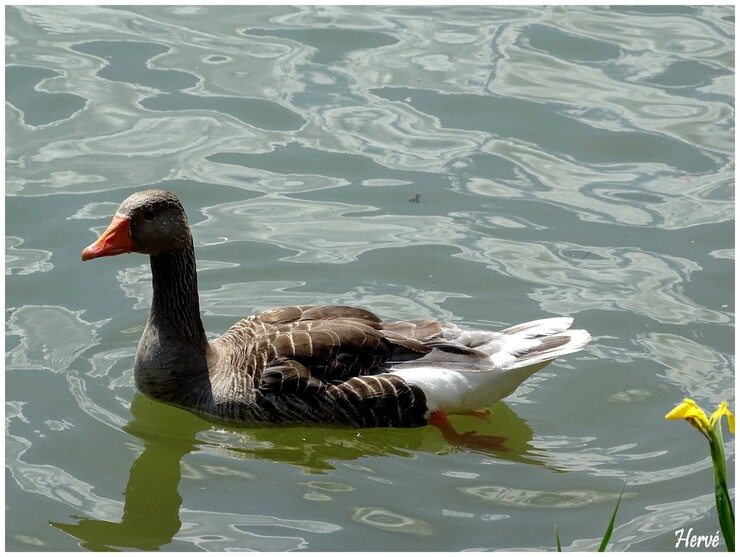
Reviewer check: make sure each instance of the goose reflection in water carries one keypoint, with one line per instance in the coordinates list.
(153, 512)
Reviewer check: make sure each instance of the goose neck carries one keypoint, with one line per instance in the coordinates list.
(175, 303)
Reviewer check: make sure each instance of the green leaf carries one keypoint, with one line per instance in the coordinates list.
(610, 528)
(721, 492)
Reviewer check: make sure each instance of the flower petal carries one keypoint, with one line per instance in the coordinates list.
(687, 409)
(690, 411)
(722, 410)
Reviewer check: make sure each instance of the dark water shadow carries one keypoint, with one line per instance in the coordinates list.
(152, 501)
(151, 512)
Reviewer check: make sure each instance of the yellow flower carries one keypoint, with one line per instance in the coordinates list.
(712, 430)
(690, 411)
(723, 411)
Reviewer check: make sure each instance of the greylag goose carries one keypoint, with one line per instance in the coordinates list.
(313, 364)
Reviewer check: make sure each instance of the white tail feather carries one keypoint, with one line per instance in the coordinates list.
(514, 354)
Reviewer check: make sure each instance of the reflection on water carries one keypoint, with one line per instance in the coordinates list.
(562, 160)
(153, 512)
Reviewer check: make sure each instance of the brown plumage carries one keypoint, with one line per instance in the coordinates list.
(309, 364)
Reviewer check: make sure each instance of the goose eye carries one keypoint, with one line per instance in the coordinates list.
(149, 215)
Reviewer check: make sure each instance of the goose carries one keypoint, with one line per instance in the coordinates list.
(313, 364)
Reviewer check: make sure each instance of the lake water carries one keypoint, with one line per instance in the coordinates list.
(575, 161)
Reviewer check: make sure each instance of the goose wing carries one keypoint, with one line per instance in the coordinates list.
(302, 349)
(316, 363)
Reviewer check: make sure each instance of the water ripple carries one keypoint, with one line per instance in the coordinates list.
(562, 160)
(512, 497)
(648, 284)
(281, 221)
(199, 527)
(700, 371)
(22, 261)
(51, 338)
(384, 519)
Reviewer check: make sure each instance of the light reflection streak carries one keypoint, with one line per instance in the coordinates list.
(625, 88)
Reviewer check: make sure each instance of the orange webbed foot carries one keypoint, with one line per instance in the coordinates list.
(470, 439)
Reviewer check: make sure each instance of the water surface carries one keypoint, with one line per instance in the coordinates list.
(483, 165)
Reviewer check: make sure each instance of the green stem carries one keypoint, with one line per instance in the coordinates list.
(721, 492)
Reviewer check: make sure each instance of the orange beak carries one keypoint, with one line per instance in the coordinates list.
(115, 240)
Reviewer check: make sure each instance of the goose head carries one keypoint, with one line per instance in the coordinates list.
(151, 222)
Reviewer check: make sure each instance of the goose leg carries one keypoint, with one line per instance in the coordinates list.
(468, 439)
(480, 414)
